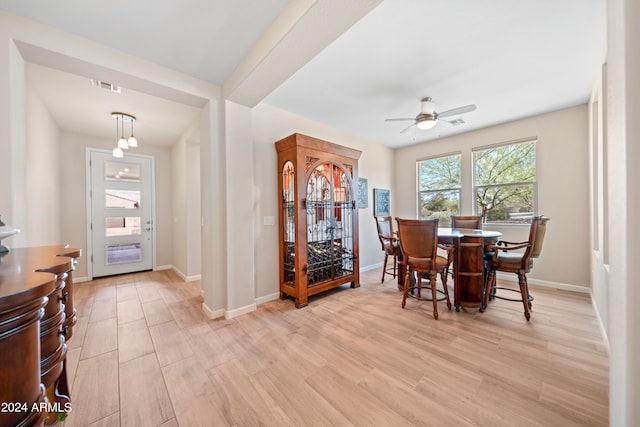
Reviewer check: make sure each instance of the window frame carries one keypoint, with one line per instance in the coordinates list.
(420, 192)
(533, 184)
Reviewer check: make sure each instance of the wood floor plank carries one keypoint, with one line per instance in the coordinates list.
(101, 337)
(171, 423)
(103, 309)
(189, 388)
(134, 340)
(95, 392)
(79, 332)
(355, 403)
(590, 412)
(110, 421)
(240, 400)
(73, 358)
(417, 408)
(156, 312)
(126, 292)
(144, 400)
(129, 311)
(186, 314)
(170, 343)
(284, 383)
(105, 290)
(352, 357)
(147, 292)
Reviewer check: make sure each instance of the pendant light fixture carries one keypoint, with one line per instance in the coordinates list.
(123, 143)
(132, 141)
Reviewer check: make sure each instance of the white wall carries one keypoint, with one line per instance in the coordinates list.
(240, 206)
(73, 151)
(179, 191)
(43, 160)
(562, 176)
(599, 225)
(12, 139)
(185, 190)
(194, 218)
(271, 124)
(623, 204)
(50, 47)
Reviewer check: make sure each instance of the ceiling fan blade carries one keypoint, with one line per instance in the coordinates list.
(407, 128)
(398, 120)
(456, 111)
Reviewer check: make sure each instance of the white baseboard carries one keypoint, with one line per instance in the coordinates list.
(184, 277)
(372, 267)
(229, 314)
(600, 323)
(212, 314)
(81, 279)
(267, 298)
(546, 283)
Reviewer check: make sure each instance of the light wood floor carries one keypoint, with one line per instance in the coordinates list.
(143, 354)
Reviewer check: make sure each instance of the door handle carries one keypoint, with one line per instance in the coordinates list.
(148, 229)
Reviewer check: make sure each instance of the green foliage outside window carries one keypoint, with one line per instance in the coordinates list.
(439, 187)
(505, 178)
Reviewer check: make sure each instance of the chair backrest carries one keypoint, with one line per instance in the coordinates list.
(385, 229)
(418, 239)
(466, 221)
(536, 236)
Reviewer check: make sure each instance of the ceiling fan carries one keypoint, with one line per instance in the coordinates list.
(428, 117)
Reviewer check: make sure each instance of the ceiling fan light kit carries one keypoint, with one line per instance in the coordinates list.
(426, 122)
(428, 117)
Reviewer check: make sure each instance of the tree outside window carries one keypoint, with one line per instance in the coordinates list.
(439, 187)
(505, 183)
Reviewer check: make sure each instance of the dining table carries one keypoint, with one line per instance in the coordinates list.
(469, 271)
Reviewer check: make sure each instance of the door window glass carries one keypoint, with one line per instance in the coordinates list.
(118, 254)
(117, 171)
(122, 199)
(122, 226)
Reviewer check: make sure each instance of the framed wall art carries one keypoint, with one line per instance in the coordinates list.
(381, 202)
(363, 193)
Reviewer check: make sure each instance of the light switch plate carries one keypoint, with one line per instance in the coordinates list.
(269, 220)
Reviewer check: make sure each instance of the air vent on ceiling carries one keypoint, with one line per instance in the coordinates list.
(457, 122)
(104, 85)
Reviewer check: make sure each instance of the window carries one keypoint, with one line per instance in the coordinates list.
(439, 187)
(505, 182)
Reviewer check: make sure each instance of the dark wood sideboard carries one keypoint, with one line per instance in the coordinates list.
(36, 319)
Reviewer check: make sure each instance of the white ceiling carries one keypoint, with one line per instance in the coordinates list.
(511, 59)
(203, 38)
(80, 107)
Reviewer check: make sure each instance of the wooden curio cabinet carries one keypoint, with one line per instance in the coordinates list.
(318, 217)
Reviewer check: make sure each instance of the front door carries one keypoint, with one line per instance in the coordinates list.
(121, 213)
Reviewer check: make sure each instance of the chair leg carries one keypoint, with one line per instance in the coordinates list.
(489, 285)
(524, 291)
(443, 276)
(384, 267)
(434, 294)
(395, 265)
(405, 289)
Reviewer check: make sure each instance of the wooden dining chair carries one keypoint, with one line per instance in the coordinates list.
(389, 244)
(466, 221)
(500, 257)
(419, 245)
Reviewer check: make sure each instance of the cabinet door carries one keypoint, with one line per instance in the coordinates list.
(329, 224)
